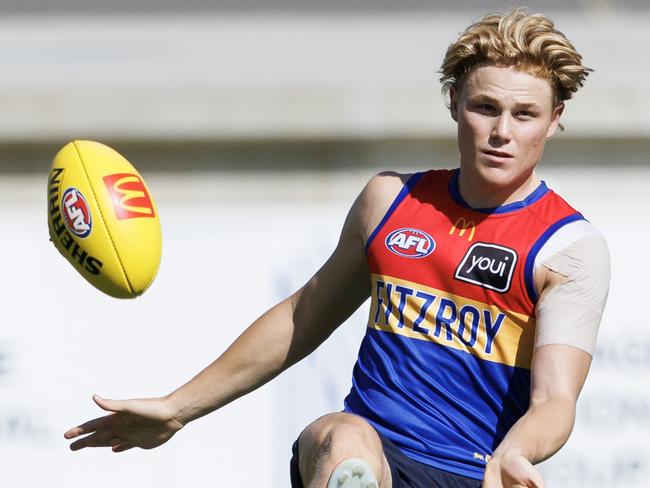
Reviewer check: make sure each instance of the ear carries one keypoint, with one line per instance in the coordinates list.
(453, 103)
(555, 119)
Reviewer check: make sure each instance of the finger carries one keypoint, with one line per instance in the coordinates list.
(124, 446)
(110, 405)
(98, 439)
(87, 427)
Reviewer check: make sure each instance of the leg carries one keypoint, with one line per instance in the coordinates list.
(333, 438)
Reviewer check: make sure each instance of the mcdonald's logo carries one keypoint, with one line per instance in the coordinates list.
(462, 226)
(130, 197)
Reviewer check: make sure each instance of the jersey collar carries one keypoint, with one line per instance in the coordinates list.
(538, 193)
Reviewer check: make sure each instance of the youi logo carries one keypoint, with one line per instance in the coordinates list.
(410, 243)
(76, 212)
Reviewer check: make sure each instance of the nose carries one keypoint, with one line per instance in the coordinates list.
(502, 129)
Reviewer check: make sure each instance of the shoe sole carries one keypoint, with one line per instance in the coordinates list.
(353, 473)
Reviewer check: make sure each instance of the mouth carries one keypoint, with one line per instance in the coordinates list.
(497, 154)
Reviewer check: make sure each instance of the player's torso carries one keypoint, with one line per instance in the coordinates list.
(444, 367)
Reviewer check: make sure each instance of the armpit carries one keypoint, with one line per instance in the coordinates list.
(571, 312)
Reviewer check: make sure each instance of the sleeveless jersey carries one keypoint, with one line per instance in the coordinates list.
(444, 368)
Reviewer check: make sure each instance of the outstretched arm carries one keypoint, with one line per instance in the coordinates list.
(278, 339)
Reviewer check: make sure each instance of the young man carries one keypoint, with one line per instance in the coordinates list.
(487, 290)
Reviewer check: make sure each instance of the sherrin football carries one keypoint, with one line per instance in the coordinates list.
(102, 218)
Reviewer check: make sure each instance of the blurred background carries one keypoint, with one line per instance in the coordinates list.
(255, 125)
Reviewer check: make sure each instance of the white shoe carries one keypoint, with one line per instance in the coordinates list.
(353, 473)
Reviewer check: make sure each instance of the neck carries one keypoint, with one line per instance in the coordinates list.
(478, 193)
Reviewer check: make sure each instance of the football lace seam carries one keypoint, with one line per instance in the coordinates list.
(101, 215)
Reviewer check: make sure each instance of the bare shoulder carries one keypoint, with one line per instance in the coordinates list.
(377, 197)
(386, 184)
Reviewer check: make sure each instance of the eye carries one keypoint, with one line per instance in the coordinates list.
(526, 114)
(485, 107)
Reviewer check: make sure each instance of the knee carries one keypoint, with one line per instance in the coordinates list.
(335, 430)
(333, 438)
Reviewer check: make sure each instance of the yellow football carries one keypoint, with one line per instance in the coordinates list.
(102, 218)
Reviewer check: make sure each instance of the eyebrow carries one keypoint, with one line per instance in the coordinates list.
(494, 101)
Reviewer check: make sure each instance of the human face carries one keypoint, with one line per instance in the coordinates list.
(504, 118)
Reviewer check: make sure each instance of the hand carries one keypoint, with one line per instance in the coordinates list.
(144, 423)
(512, 472)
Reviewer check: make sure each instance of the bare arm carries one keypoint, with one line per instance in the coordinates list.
(573, 282)
(278, 339)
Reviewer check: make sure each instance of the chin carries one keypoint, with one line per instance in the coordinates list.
(497, 176)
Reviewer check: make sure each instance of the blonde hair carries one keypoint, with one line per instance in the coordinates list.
(520, 39)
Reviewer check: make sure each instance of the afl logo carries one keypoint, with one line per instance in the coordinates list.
(76, 212)
(410, 243)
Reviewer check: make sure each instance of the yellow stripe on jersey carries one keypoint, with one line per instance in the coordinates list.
(483, 330)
